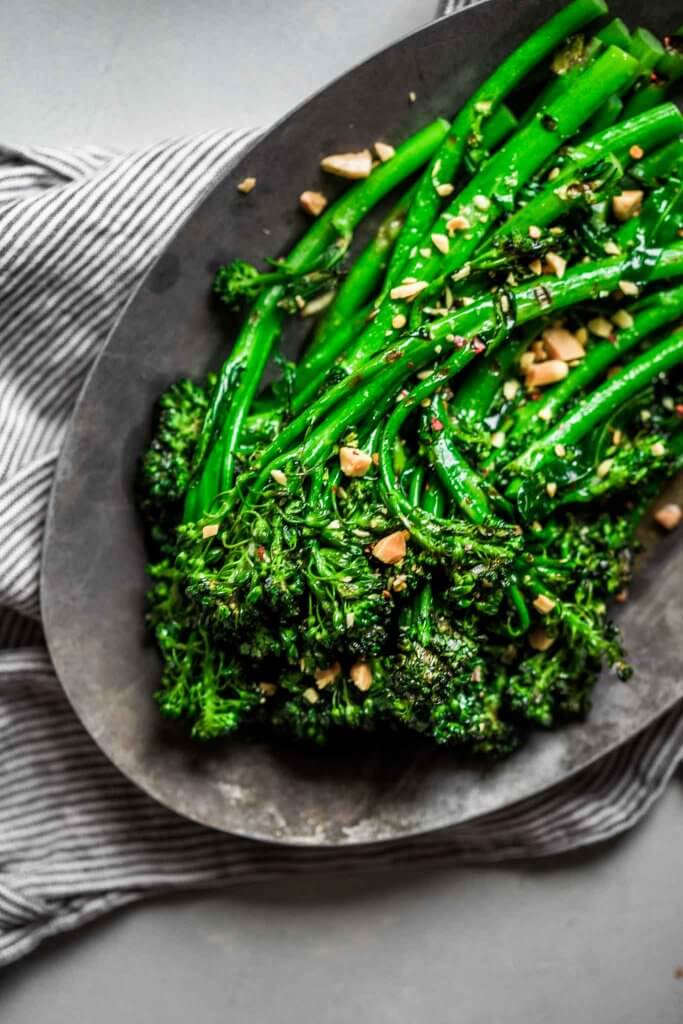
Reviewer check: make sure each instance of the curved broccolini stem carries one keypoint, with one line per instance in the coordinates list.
(358, 287)
(241, 374)
(476, 393)
(488, 96)
(646, 130)
(457, 477)
(480, 202)
(661, 309)
(601, 403)
(373, 385)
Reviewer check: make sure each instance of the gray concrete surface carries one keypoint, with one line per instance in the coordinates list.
(594, 937)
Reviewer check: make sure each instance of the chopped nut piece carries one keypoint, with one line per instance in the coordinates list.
(399, 321)
(581, 335)
(498, 439)
(536, 267)
(510, 389)
(636, 152)
(617, 437)
(629, 288)
(541, 374)
(600, 327)
(627, 204)
(551, 489)
(311, 695)
(540, 640)
(603, 468)
(268, 689)
(354, 462)
(326, 676)
(622, 318)
(445, 190)
(348, 165)
(527, 361)
(361, 676)
(412, 96)
(554, 174)
(560, 451)
(408, 289)
(300, 301)
(441, 242)
(318, 304)
(658, 450)
(384, 151)
(538, 348)
(562, 344)
(392, 548)
(545, 415)
(543, 604)
(481, 203)
(557, 264)
(246, 185)
(425, 253)
(399, 583)
(669, 516)
(611, 248)
(312, 202)
(210, 530)
(279, 477)
(621, 597)
(458, 223)
(534, 231)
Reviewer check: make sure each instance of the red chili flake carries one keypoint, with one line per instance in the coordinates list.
(679, 409)
(392, 356)
(261, 553)
(535, 395)
(386, 594)
(436, 424)
(403, 393)
(459, 341)
(654, 77)
(478, 345)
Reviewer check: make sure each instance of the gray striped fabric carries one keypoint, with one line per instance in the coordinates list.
(77, 232)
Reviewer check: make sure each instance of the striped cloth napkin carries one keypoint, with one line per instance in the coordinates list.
(78, 231)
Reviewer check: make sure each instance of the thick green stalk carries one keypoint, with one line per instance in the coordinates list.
(241, 374)
(374, 384)
(490, 94)
(660, 310)
(646, 130)
(455, 474)
(605, 400)
(480, 202)
(476, 393)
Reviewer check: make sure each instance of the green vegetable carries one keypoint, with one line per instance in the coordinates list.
(420, 526)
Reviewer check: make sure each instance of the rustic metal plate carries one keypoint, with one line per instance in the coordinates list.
(94, 579)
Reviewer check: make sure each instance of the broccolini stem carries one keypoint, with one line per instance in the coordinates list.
(659, 310)
(480, 202)
(647, 131)
(240, 376)
(600, 403)
(460, 481)
(488, 96)
(374, 384)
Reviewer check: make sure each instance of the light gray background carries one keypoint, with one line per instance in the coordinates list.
(593, 937)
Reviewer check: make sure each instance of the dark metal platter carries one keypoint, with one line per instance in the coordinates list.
(94, 581)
